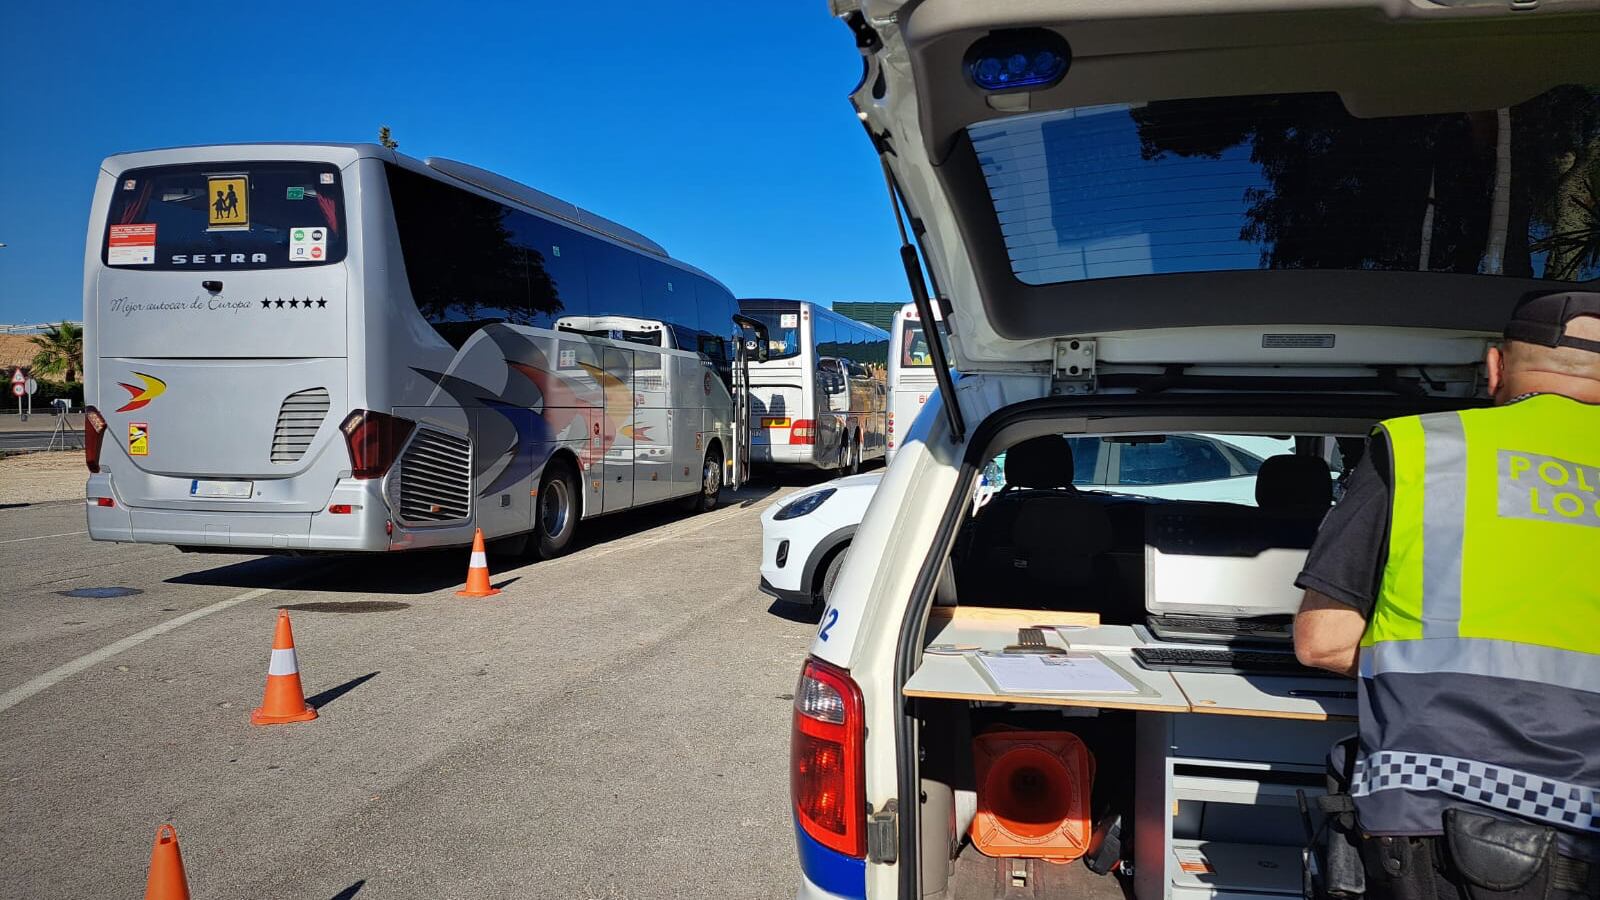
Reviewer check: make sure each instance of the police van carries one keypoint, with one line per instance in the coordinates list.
(1142, 222)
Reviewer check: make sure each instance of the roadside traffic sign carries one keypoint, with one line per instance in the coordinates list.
(17, 377)
(32, 386)
(18, 390)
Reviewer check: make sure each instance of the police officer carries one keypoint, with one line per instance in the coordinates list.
(1459, 577)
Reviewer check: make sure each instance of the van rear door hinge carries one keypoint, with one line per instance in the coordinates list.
(1074, 367)
(883, 834)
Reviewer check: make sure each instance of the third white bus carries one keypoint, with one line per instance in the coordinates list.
(819, 398)
(911, 377)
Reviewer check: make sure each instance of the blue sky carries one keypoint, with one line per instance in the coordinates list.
(720, 130)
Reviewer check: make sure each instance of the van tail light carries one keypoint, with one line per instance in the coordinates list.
(374, 440)
(827, 768)
(94, 432)
(803, 431)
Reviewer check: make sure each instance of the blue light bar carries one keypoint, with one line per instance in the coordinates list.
(1017, 60)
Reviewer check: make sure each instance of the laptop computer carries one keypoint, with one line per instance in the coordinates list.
(1223, 576)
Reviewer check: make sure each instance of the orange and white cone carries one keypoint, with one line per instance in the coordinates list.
(284, 700)
(166, 880)
(478, 571)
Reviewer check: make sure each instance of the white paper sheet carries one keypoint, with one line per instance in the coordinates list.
(1035, 673)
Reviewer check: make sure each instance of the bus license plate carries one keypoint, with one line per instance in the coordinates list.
(774, 423)
(236, 490)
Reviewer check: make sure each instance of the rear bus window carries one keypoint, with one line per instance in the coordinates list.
(251, 215)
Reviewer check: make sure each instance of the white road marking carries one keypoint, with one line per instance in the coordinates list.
(61, 673)
(41, 537)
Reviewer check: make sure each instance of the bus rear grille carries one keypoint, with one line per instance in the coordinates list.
(436, 478)
(298, 420)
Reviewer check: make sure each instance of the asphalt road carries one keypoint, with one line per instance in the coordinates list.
(39, 440)
(614, 724)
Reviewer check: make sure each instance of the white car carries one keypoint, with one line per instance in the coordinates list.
(804, 537)
(1254, 217)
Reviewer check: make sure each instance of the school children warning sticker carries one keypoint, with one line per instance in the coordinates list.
(131, 245)
(229, 202)
(138, 439)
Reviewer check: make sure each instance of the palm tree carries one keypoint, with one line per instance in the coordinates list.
(60, 352)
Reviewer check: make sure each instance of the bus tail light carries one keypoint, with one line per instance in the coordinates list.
(374, 440)
(94, 431)
(803, 431)
(827, 767)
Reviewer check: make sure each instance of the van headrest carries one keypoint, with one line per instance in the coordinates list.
(1041, 462)
(1294, 482)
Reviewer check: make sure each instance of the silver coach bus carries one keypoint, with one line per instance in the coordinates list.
(337, 347)
(819, 399)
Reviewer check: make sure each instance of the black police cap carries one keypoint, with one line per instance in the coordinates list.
(1541, 318)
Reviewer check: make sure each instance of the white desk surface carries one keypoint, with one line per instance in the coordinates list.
(954, 678)
(1267, 696)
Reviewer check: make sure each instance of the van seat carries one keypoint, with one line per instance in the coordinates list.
(1039, 542)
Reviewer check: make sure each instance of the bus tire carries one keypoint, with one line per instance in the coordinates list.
(555, 515)
(710, 491)
(852, 463)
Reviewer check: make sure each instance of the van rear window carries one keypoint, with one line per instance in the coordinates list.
(1294, 181)
(250, 215)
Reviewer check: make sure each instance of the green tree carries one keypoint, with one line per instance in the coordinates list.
(385, 139)
(1514, 190)
(60, 352)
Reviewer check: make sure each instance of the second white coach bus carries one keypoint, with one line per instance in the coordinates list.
(911, 377)
(336, 347)
(819, 399)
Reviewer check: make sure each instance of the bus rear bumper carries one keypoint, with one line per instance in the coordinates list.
(360, 529)
(784, 454)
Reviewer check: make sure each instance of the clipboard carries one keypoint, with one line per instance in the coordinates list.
(1041, 685)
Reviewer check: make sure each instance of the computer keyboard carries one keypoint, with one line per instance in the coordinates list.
(1223, 625)
(1243, 662)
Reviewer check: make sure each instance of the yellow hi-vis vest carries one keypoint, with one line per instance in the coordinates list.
(1480, 666)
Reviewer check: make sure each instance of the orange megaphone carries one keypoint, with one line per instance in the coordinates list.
(1033, 795)
(478, 571)
(166, 880)
(284, 701)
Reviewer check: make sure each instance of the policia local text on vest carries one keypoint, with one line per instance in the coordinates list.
(1477, 772)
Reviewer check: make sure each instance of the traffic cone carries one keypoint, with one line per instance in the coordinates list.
(166, 881)
(284, 700)
(478, 571)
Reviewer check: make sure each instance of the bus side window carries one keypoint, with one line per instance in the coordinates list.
(562, 253)
(826, 335)
(613, 279)
(445, 231)
(667, 295)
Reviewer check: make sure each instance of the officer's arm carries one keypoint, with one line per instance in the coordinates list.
(1327, 634)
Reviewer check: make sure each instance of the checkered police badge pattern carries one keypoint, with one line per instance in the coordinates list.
(1569, 806)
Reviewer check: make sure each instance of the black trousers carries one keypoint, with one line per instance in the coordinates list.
(1417, 868)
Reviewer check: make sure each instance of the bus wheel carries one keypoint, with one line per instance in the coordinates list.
(556, 515)
(852, 465)
(710, 484)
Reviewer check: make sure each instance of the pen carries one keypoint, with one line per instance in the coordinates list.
(1339, 695)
